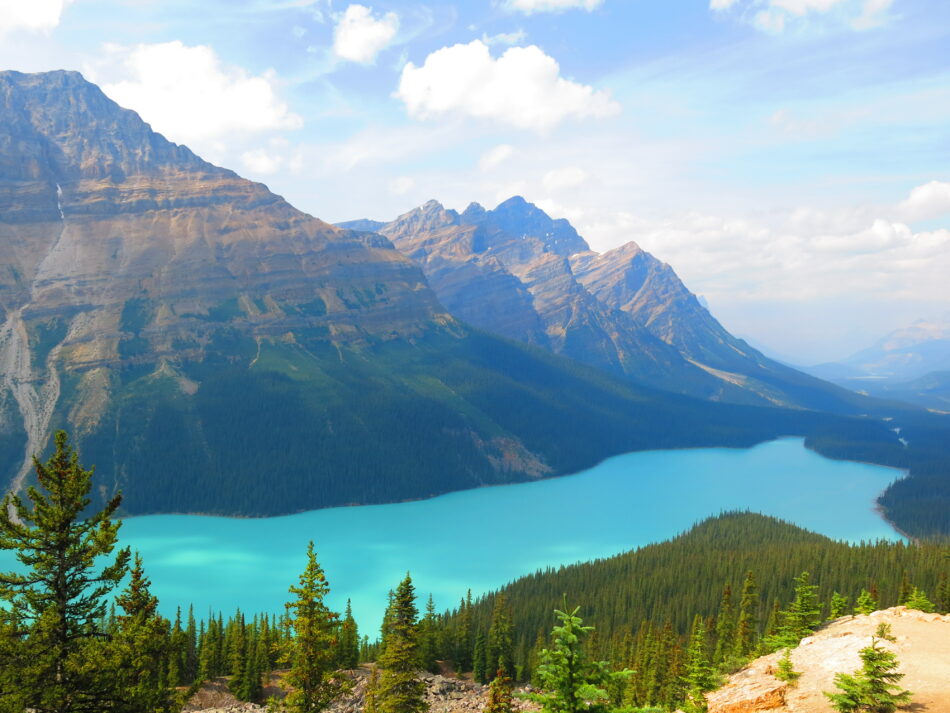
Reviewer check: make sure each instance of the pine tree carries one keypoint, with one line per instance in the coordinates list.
(747, 624)
(866, 603)
(237, 655)
(700, 676)
(904, 592)
(479, 669)
(428, 641)
(784, 670)
(500, 644)
(400, 690)
(500, 698)
(837, 606)
(570, 683)
(139, 648)
(349, 640)
(55, 610)
(918, 600)
(802, 616)
(873, 689)
(725, 627)
(312, 670)
(464, 640)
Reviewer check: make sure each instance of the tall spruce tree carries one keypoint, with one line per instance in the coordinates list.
(400, 689)
(428, 639)
(55, 611)
(747, 623)
(500, 644)
(725, 627)
(700, 676)
(312, 675)
(140, 648)
(349, 640)
(802, 616)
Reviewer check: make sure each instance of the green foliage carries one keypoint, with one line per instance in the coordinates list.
(866, 603)
(139, 651)
(349, 640)
(700, 676)
(400, 690)
(873, 689)
(499, 652)
(838, 606)
(802, 616)
(313, 665)
(54, 614)
(918, 600)
(571, 683)
(500, 697)
(785, 671)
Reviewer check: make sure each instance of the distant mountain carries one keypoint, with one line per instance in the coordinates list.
(213, 349)
(902, 355)
(517, 272)
(931, 390)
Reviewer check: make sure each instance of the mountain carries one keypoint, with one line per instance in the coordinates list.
(519, 273)
(213, 349)
(902, 355)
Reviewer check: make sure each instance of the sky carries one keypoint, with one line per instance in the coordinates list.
(789, 158)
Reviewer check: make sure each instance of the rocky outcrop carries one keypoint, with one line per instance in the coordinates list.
(444, 694)
(922, 646)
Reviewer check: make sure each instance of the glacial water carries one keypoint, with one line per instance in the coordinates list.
(481, 539)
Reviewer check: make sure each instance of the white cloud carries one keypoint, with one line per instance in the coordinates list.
(495, 156)
(931, 200)
(359, 37)
(505, 38)
(31, 15)
(531, 6)
(401, 185)
(523, 88)
(261, 162)
(775, 16)
(189, 95)
(561, 178)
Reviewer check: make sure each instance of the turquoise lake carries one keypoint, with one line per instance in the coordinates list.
(481, 539)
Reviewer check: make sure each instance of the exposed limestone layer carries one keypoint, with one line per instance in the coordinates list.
(922, 646)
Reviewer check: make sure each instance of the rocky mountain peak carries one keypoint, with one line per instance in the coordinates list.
(518, 218)
(59, 127)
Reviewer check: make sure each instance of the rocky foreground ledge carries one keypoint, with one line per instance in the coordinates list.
(922, 646)
(444, 695)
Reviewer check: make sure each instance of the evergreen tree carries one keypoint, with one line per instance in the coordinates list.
(372, 691)
(464, 639)
(500, 644)
(785, 671)
(918, 600)
(139, 649)
(866, 603)
(500, 698)
(802, 616)
(349, 640)
(747, 624)
(428, 639)
(237, 655)
(312, 669)
(904, 592)
(55, 610)
(570, 683)
(700, 676)
(873, 689)
(837, 606)
(400, 690)
(725, 627)
(479, 669)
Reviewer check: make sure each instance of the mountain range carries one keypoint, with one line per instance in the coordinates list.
(213, 349)
(517, 272)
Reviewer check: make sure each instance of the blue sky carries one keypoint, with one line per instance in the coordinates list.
(790, 158)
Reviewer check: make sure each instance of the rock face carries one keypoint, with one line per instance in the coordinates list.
(516, 272)
(922, 648)
(443, 694)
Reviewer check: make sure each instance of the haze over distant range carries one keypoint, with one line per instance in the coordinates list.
(788, 159)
